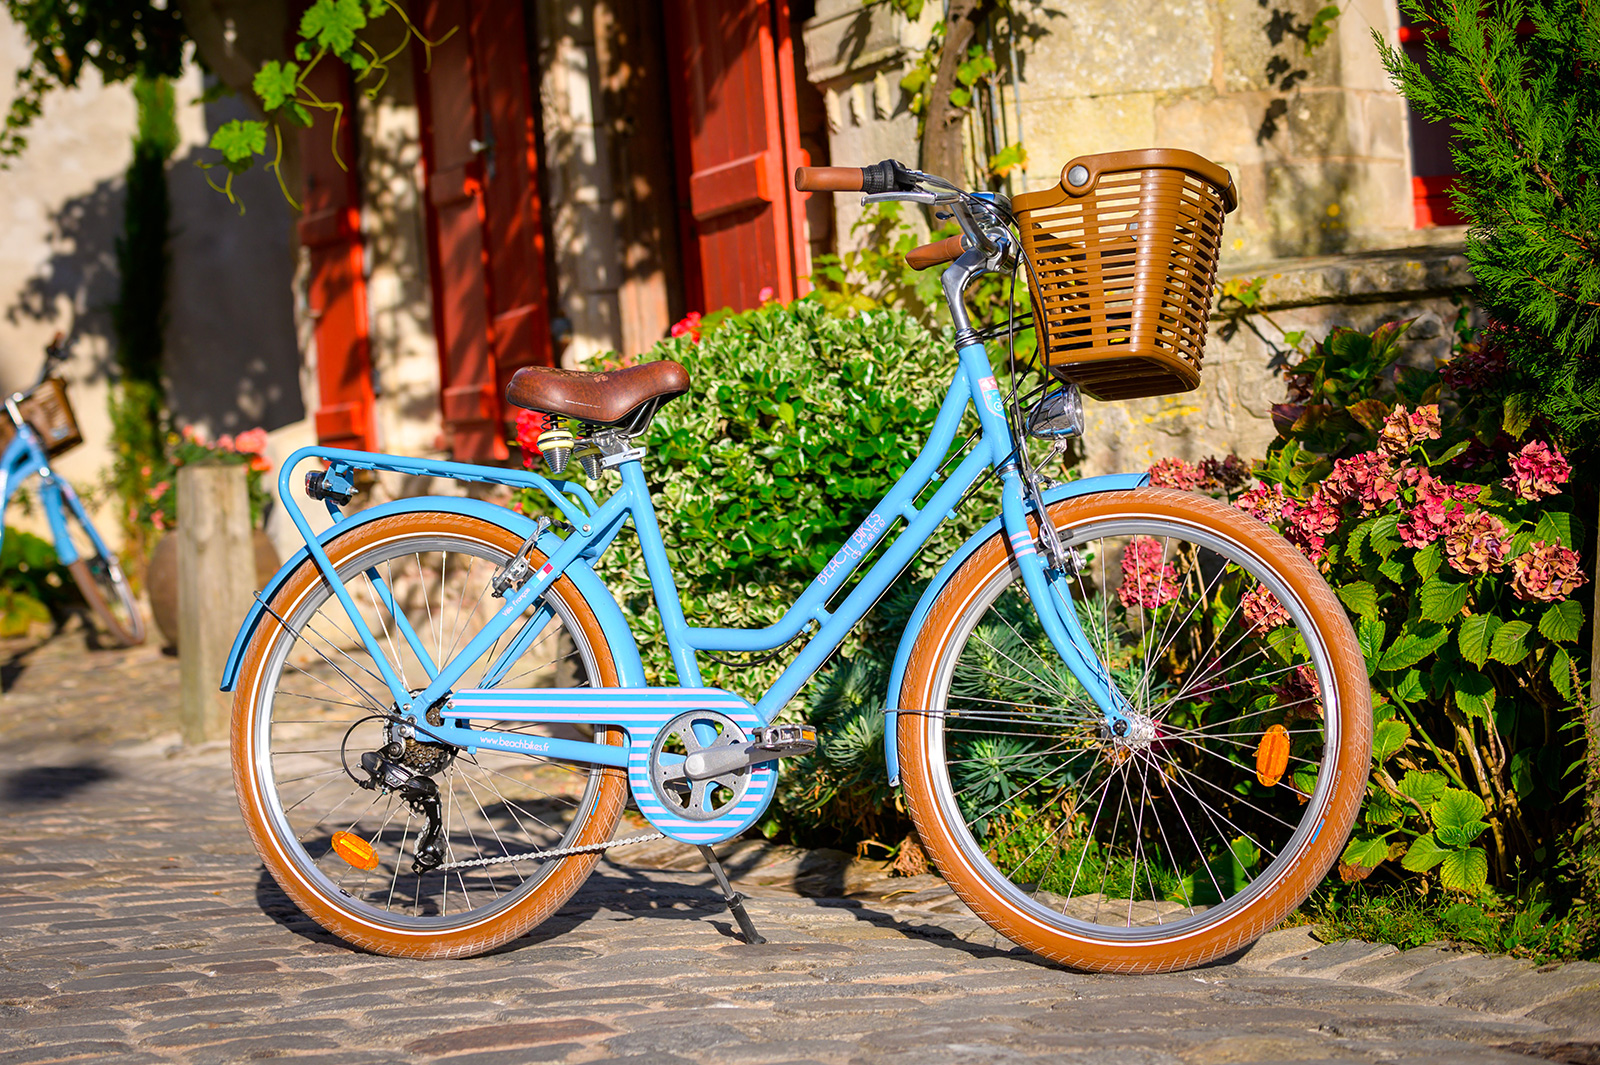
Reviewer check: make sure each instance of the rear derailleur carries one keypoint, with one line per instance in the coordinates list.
(405, 766)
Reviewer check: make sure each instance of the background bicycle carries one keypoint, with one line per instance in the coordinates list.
(39, 425)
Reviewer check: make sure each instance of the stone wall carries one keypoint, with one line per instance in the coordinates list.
(1317, 143)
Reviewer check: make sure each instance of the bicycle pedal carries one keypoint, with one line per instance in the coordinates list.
(785, 741)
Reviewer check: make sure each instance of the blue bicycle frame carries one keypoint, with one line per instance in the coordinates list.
(468, 712)
(25, 456)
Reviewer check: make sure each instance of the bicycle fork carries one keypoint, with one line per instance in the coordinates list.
(1050, 591)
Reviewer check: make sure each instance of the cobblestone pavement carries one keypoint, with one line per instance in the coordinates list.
(137, 926)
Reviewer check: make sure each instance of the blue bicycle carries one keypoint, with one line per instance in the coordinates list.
(1132, 724)
(41, 426)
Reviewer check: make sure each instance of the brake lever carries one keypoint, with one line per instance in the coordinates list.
(927, 199)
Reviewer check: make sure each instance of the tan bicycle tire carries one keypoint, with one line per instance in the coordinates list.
(1305, 869)
(369, 934)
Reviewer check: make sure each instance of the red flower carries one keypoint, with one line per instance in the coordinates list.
(1546, 572)
(689, 326)
(1538, 470)
(1176, 473)
(1367, 480)
(1262, 609)
(1147, 580)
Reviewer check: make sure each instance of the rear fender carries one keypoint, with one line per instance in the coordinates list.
(1115, 482)
(624, 648)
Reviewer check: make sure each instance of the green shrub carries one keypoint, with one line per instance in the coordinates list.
(34, 587)
(796, 423)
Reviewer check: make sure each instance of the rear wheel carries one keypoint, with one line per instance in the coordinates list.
(101, 580)
(309, 705)
(1223, 804)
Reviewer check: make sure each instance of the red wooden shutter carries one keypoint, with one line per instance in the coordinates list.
(485, 232)
(330, 229)
(738, 142)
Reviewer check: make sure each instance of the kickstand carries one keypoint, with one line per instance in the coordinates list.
(734, 900)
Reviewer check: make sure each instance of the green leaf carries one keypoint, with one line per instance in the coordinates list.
(1423, 854)
(1465, 870)
(333, 24)
(1412, 647)
(1410, 689)
(239, 141)
(1381, 810)
(1369, 634)
(1476, 634)
(1474, 693)
(1366, 851)
(1554, 527)
(1424, 788)
(1384, 536)
(1562, 621)
(1441, 600)
(1510, 642)
(1360, 598)
(961, 97)
(1427, 561)
(1455, 808)
(1387, 739)
(1561, 672)
(275, 83)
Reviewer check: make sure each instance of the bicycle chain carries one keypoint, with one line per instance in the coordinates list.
(544, 856)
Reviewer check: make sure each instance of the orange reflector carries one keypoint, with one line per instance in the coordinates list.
(355, 850)
(1272, 757)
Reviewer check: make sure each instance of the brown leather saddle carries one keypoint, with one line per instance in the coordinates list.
(613, 397)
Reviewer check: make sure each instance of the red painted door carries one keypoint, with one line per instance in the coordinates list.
(330, 230)
(737, 139)
(485, 229)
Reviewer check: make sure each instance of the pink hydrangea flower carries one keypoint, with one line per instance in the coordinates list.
(1475, 366)
(1538, 470)
(1309, 524)
(1176, 473)
(1475, 543)
(1262, 609)
(1264, 502)
(1147, 580)
(1436, 506)
(1368, 480)
(1546, 572)
(1404, 429)
(251, 441)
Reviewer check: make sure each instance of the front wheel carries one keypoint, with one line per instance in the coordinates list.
(1222, 805)
(100, 578)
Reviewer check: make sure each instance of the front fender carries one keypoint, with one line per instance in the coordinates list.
(1113, 482)
(624, 648)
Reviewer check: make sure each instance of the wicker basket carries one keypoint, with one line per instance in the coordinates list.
(49, 411)
(1124, 253)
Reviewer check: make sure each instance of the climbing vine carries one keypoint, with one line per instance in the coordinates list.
(329, 31)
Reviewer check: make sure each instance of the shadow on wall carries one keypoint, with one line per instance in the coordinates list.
(76, 287)
(232, 358)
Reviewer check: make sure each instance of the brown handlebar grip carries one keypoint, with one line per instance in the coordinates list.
(828, 178)
(935, 254)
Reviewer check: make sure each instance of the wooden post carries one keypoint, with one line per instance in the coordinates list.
(216, 576)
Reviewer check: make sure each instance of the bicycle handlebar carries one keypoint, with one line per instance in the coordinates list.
(828, 178)
(936, 254)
